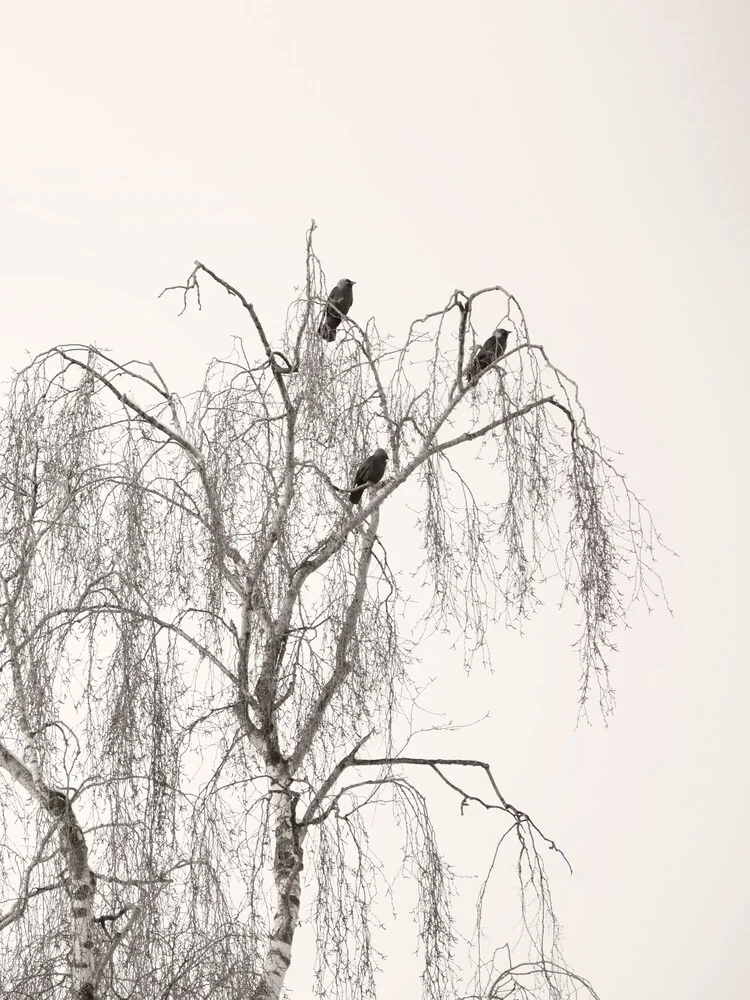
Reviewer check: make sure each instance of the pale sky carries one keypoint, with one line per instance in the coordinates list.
(592, 157)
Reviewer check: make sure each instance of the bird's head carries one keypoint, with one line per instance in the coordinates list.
(380, 453)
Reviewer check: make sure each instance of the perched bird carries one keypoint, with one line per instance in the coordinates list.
(370, 471)
(339, 303)
(492, 349)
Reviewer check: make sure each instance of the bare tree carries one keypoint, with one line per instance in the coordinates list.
(202, 663)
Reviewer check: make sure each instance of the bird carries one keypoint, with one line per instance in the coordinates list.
(370, 472)
(492, 349)
(338, 304)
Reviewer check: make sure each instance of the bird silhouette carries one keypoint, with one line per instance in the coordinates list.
(370, 472)
(492, 349)
(338, 304)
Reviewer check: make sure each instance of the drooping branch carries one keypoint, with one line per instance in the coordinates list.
(508, 983)
(193, 453)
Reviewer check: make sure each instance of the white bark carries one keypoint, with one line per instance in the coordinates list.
(288, 836)
(80, 883)
(288, 861)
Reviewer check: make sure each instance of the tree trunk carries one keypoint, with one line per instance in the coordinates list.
(80, 882)
(287, 867)
(81, 885)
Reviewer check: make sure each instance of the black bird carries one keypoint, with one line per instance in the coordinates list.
(339, 303)
(492, 349)
(370, 471)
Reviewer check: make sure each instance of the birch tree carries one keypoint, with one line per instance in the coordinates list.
(204, 666)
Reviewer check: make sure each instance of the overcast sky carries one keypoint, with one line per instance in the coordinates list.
(594, 158)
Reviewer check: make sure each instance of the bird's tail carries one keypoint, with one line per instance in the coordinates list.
(472, 373)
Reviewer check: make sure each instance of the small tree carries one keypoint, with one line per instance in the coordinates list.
(202, 662)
